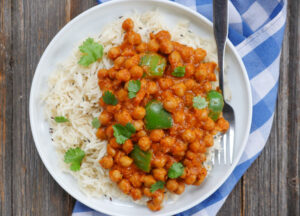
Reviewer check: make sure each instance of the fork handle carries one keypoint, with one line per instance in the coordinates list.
(220, 25)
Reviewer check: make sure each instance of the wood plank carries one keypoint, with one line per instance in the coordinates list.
(34, 191)
(5, 108)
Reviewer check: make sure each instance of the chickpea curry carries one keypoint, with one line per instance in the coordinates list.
(159, 116)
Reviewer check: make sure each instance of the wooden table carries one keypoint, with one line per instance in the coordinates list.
(269, 187)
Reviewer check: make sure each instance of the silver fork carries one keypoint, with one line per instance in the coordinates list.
(220, 25)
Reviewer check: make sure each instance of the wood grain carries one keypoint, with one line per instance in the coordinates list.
(269, 187)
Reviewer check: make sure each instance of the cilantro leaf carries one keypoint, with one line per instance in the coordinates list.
(96, 123)
(179, 71)
(109, 98)
(176, 170)
(133, 87)
(156, 186)
(60, 119)
(199, 102)
(91, 51)
(123, 133)
(74, 156)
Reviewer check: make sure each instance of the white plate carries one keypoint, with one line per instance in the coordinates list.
(90, 23)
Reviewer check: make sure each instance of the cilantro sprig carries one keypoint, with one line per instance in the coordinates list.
(123, 133)
(60, 119)
(176, 170)
(199, 102)
(96, 123)
(156, 186)
(91, 51)
(75, 157)
(179, 71)
(133, 87)
(109, 98)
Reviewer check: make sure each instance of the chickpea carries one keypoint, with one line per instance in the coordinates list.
(189, 70)
(152, 87)
(141, 133)
(105, 118)
(100, 134)
(223, 124)
(122, 95)
(129, 63)
(208, 140)
(172, 185)
(153, 45)
(123, 75)
(139, 125)
(112, 73)
(136, 193)
(190, 179)
(114, 52)
(179, 149)
(188, 135)
(115, 175)
(127, 146)
(199, 55)
(165, 83)
(136, 72)
(175, 59)
(190, 84)
(195, 146)
(148, 180)
(123, 117)
(201, 157)
(111, 151)
(212, 77)
(118, 63)
(147, 192)
(168, 141)
(201, 114)
(159, 161)
(142, 47)
(113, 109)
(201, 73)
(201, 177)
(113, 143)
(179, 117)
(209, 124)
(207, 86)
(163, 35)
(125, 186)
(190, 155)
(102, 73)
(186, 53)
(106, 162)
(133, 38)
(158, 197)
(179, 89)
(156, 135)
(170, 104)
(128, 25)
(152, 206)
(144, 143)
(189, 96)
(159, 174)
(125, 161)
(139, 113)
(109, 132)
(135, 180)
(166, 47)
(180, 188)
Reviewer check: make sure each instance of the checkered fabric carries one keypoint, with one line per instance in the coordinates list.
(256, 28)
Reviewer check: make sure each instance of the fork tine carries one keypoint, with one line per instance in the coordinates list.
(224, 141)
(219, 155)
(213, 158)
(231, 142)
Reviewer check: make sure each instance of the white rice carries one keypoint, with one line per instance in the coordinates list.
(74, 93)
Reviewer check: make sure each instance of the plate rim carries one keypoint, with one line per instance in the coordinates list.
(60, 181)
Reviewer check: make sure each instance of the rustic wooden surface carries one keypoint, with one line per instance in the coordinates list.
(269, 187)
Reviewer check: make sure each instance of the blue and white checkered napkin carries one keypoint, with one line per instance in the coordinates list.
(256, 30)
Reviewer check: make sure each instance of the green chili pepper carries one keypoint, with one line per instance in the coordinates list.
(215, 104)
(141, 158)
(157, 117)
(153, 64)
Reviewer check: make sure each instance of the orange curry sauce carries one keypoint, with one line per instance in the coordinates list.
(192, 130)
